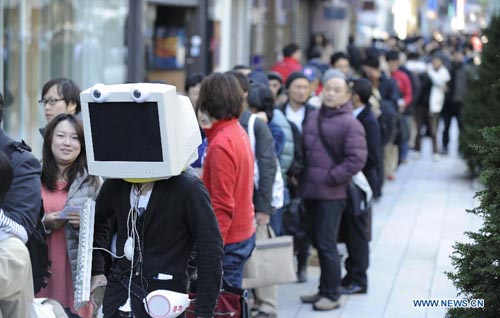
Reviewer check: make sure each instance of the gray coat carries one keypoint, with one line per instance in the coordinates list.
(78, 194)
(266, 160)
(286, 157)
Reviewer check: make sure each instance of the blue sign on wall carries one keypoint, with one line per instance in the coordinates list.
(334, 13)
(432, 5)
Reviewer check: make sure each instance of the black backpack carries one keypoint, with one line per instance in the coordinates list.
(37, 242)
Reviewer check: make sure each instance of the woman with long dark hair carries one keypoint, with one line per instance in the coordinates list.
(66, 186)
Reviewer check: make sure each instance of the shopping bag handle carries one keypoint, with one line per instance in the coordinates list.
(269, 229)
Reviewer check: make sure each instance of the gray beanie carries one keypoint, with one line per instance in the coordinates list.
(332, 73)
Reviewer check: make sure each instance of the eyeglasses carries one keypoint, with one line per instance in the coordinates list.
(51, 101)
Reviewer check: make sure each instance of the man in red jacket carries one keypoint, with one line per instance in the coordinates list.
(290, 63)
(404, 103)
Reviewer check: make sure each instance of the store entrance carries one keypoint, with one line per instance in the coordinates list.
(166, 48)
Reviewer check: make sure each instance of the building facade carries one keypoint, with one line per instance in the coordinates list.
(43, 39)
(117, 41)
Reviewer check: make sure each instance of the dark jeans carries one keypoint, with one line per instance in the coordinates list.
(235, 256)
(276, 221)
(325, 216)
(404, 146)
(422, 116)
(453, 110)
(354, 230)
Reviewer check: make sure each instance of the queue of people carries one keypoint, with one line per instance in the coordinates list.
(316, 125)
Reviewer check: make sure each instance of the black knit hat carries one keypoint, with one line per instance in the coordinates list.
(392, 56)
(257, 77)
(272, 75)
(371, 62)
(292, 77)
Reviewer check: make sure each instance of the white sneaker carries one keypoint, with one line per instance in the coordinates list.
(436, 157)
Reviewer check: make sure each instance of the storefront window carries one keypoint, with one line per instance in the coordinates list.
(45, 39)
(166, 30)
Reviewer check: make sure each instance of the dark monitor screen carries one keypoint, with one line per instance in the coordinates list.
(125, 131)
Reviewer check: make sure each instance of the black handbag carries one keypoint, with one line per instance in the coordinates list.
(357, 201)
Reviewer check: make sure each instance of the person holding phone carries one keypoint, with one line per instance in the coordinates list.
(66, 186)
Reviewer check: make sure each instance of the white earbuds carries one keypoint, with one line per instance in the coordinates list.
(128, 248)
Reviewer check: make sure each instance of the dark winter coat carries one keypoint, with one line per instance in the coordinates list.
(323, 178)
(372, 130)
(22, 201)
(178, 217)
(390, 118)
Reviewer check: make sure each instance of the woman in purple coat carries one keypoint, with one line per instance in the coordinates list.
(335, 150)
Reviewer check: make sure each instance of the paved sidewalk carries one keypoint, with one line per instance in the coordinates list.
(421, 215)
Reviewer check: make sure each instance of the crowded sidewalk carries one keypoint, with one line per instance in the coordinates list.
(415, 224)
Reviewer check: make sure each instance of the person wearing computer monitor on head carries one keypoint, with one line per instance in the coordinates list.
(143, 137)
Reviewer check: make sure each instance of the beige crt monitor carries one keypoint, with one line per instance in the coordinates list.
(138, 130)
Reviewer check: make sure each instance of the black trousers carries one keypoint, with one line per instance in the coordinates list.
(431, 120)
(296, 223)
(354, 231)
(453, 110)
(325, 216)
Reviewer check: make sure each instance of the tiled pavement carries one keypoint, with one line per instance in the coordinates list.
(421, 215)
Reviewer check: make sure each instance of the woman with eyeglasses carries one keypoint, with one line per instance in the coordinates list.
(60, 96)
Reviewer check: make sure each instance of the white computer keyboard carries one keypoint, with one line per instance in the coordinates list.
(84, 265)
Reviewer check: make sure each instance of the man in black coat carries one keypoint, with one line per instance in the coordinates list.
(159, 217)
(171, 217)
(389, 120)
(455, 96)
(19, 212)
(362, 89)
(355, 229)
